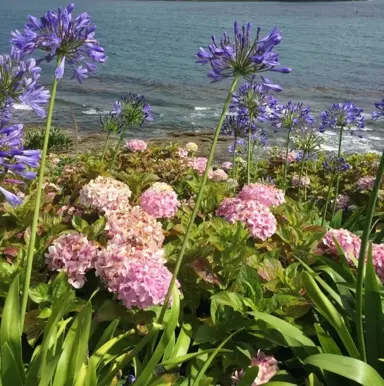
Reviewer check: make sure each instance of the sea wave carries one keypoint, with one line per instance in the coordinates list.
(93, 111)
(197, 108)
(19, 106)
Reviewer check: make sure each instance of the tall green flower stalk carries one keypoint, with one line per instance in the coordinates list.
(249, 148)
(199, 197)
(105, 146)
(36, 212)
(338, 174)
(286, 159)
(117, 148)
(330, 186)
(361, 265)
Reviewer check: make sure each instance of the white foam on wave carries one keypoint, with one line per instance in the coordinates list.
(197, 108)
(19, 106)
(375, 138)
(93, 111)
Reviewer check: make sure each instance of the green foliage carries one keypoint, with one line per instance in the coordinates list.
(58, 142)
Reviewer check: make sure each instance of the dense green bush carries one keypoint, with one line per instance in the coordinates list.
(59, 142)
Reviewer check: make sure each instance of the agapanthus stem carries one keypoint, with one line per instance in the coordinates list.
(199, 197)
(105, 146)
(234, 166)
(301, 172)
(255, 155)
(249, 150)
(361, 264)
(117, 149)
(39, 190)
(327, 200)
(338, 173)
(305, 186)
(286, 159)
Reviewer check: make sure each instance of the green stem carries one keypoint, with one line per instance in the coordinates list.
(117, 150)
(286, 159)
(361, 264)
(328, 198)
(249, 150)
(301, 172)
(256, 160)
(32, 240)
(198, 199)
(338, 175)
(305, 186)
(234, 168)
(106, 145)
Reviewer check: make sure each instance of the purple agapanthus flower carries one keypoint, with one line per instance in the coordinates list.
(235, 125)
(336, 164)
(242, 57)
(19, 83)
(134, 110)
(15, 162)
(292, 117)
(380, 110)
(58, 34)
(342, 115)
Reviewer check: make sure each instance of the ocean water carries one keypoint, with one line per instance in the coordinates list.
(336, 51)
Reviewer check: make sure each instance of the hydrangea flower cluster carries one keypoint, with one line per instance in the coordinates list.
(74, 254)
(268, 367)
(105, 194)
(218, 175)
(366, 183)
(57, 34)
(303, 181)
(19, 82)
(259, 219)
(182, 152)
(192, 147)
(349, 242)
(344, 115)
(244, 56)
(134, 227)
(136, 145)
(378, 260)
(342, 201)
(198, 163)
(227, 165)
(160, 201)
(380, 110)
(267, 195)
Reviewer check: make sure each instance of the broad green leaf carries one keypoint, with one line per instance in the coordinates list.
(79, 224)
(10, 334)
(373, 314)
(249, 279)
(75, 349)
(327, 343)
(10, 372)
(330, 313)
(170, 347)
(107, 334)
(313, 380)
(146, 375)
(183, 341)
(40, 293)
(249, 377)
(226, 298)
(350, 368)
(337, 219)
(97, 227)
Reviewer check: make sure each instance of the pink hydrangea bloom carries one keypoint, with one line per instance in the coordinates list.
(226, 165)
(349, 242)
(378, 260)
(137, 276)
(160, 201)
(305, 181)
(74, 254)
(218, 175)
(366, 183)
(182, 152)
(291, 157)
(267, 369)
(135, 145)
(267, 195)
(259, 219)
(198, 163)
(342, 201)
(134, 227)
(105, 194)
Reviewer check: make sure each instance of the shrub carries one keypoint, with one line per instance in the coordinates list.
(59, 142)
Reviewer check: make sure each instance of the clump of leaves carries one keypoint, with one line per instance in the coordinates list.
(59, 142)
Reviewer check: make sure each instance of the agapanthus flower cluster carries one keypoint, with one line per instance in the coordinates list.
(267, 195)
(15, 162)
(192, 147)
(309, 156)
(105, 194)
(342, 201)
(349, 243)
(292, 117)
(380, 110)
(19, 83)
(74, 254)
(346, 115)
(242, 57)
(59, 35)
(366, 183)
(218, 175)
(136, 145)
(303, 181)
(160, 201)
(267, 365)
(259, 219)
(198, 163)
(133, 110)
(135, 227)
(336, 164)
(137, 276)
